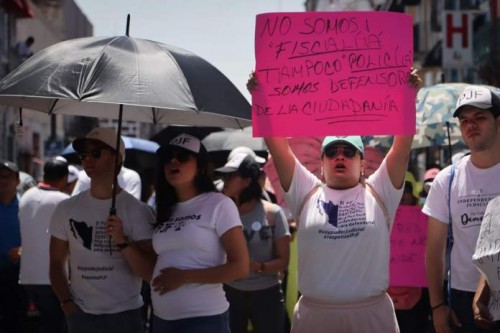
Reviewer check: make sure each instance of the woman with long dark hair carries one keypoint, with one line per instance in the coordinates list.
(199, 242)
(258, 298)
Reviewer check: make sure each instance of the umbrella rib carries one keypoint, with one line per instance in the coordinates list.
(153, 116)
(89, 78)
(52, 106)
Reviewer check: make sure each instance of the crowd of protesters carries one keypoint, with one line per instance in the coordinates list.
(215, 258)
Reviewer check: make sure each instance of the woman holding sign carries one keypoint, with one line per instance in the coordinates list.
(344, 228)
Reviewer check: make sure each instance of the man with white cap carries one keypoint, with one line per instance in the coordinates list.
(103, 249)
(474, 184)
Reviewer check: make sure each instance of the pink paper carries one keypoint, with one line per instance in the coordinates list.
(333, 73)
(408, 238)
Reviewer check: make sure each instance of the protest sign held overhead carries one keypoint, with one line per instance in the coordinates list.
(326, 73)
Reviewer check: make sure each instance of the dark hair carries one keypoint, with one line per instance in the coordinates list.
(55, 169)
(166, 198)
(252, 191)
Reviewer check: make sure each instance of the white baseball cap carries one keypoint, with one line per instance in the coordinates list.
(479, 97)
(246, 150)
(243, 163)
(103, 135)
(72, 173)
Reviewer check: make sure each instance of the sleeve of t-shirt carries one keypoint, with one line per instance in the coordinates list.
(303, 182)
(57, 222)
(390, 196)
(281, 228)
(436, 204)
(226, 215)
(142, 222)
(132, 183)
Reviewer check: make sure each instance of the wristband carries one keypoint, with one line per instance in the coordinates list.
(437, 306)
(66, 301)
(123, 245)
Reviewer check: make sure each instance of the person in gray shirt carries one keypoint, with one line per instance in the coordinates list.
(259, 297)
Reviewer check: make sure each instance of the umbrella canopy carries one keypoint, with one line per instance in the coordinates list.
(154, 82)
(220, 144)
(230, 139)
(139, 153)
(435, 107)
(150, 81)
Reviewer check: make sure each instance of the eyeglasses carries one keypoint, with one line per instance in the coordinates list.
(347, 151)
(180, 155)
(95, 154)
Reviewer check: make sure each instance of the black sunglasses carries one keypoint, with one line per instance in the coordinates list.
(180, 155)
(347, 151)
(95, 154)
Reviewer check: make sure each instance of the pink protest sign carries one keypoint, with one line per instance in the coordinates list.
(408, 237)
(333, 73)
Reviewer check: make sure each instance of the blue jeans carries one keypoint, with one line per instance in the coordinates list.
(51, 314)
(122, 322)
(208, 324)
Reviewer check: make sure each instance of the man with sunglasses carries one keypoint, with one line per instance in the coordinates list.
(345, 222)
(102, 247)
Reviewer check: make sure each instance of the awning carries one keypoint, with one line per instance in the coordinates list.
(19, 8)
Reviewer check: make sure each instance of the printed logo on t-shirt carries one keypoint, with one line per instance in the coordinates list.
(264, 231)
(92, 237)
(332, 211)
(473, 208)
(348, 219)
(177, 223)
(81, 231)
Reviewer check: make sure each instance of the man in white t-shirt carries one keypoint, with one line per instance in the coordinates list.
(475, 183)
(35, 212)
(100, 245)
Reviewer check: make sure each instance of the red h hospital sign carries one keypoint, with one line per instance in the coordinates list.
(457, 41)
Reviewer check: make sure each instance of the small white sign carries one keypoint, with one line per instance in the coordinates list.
(487, 254)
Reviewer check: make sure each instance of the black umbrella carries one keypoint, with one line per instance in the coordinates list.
(150, 81)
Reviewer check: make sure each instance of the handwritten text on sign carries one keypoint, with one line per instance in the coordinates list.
(408, 237)
(333, 74)
(487, 254)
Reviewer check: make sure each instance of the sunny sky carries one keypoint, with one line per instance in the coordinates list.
(220, 31)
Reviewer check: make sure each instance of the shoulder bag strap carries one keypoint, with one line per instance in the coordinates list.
(449, 242)
(306, 199)
(371, 190)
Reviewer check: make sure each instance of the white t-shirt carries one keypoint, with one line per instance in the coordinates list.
(128, 179)
(101, 279)
(472, 189)
(35, 212)
(343, 237)
(190, 239)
